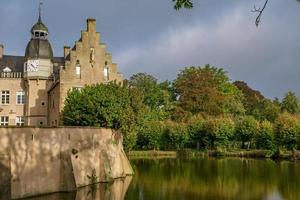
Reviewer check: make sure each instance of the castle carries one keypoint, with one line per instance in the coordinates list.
(34, 87)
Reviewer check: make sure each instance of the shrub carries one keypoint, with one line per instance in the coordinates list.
(246, 129)
(265, 137)
(150, 135)
(175, 135)
(198, 137)
(287, 130)
(220, 131)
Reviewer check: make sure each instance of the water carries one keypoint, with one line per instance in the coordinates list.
(215, 179)
(204, 178)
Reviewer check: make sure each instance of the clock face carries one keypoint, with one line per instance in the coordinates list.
(32, 65)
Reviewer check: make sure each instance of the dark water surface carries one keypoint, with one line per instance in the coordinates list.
(198, 179)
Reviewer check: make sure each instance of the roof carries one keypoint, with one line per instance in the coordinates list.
(16, 63)
(39, 26)
(38, 48)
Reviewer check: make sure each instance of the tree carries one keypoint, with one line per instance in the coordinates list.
(207, 89)
(101, 105)
(290, 103)
(287, 130)
(156, 96)
(220, 131)
(265, 137)
(267, 110)
(246, 129)
(252, 98)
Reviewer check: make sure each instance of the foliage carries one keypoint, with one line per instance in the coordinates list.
(97, 105)
(201, 109)
(150, 135)
(175, 135)
(265, 137)
(207, 89)
(155, 96)
(183, 4)
(100, 105)
(291, 103)
(252, 98)
(287, 130)
(220, 131)
(198, 137)
(267, 110)
(246, 129)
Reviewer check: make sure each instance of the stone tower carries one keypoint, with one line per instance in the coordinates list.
(38, 71)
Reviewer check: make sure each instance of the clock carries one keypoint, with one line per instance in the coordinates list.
(32, 65)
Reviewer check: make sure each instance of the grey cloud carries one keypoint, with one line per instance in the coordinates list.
(149, 36)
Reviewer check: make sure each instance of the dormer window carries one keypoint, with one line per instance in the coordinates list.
(6, 70)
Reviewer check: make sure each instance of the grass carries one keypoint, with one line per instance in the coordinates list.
(242, 153)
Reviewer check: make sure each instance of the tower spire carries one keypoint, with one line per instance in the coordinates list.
(40, 11)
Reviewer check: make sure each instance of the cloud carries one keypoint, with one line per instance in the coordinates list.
(261, 57)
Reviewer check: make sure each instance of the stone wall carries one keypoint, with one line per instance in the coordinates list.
(46, 160)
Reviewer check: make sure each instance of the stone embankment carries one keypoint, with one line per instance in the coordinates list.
(35, 161)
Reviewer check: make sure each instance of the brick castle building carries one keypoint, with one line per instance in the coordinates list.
(33, 87)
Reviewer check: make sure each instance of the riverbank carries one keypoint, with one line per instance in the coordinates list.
(282, 154)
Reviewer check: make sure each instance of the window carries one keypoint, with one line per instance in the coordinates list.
(20, 97)
(106, 73)
(5, 97)
(77, 88)
(4, 121)
(20, 121)
(78, 70)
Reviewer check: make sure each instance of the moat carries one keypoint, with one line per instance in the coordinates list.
(203, 178)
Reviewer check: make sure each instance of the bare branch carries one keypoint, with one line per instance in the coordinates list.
(260, 12)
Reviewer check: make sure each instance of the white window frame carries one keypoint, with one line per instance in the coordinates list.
(79, 88)
(4, 121)
(20, 93)
(5, 94)
(20, 120)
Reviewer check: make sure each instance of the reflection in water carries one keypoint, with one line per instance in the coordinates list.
(198, 179)
(102, 191)
(214, 179)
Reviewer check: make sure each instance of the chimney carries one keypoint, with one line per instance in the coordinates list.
(91, 25)
(1, 51)
(66, 51)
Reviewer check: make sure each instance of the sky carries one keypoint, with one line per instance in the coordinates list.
(152, 37)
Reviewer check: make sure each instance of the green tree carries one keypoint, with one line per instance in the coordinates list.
(198, 136)
(246, 129)
(265, 137)
(101, 105)
(287, 130)
(220, 131)
(156, 96)
(207, 89)
(290, 103)
(175, 135)
(252, 98)
(267, 110)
